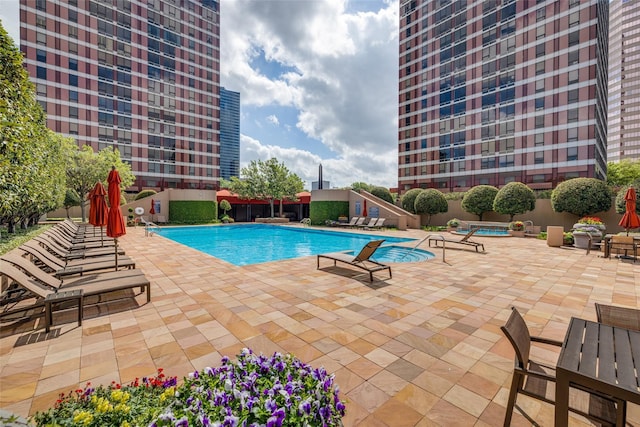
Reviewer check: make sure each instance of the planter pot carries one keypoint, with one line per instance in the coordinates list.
(581, 239)
(578, 226)
(516, 233)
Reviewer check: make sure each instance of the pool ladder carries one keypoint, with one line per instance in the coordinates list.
(436, 237)
(150, 228)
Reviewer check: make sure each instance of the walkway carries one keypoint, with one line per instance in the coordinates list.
(421, 349)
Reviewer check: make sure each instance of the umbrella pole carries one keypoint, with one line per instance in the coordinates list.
(116, 246)
(101, 236)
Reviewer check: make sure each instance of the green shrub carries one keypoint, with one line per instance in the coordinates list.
(145, 193)
(430, 202)
(543, 194)
(455, 195)
(409, 198)
(382, 193)
(225, 206)
(621, 205)
(515, 198)
(479, 200)
(321, 211)
(581, 196)
(193, 211)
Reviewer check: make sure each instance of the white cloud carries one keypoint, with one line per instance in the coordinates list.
(10, 16)
(273, 120)
(344, 86)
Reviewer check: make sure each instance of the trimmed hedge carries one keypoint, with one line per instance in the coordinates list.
(145, 193)
(321, 211)
(193, 211)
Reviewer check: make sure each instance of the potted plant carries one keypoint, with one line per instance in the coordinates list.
(586, 235)
(590, 221)
(567, 238)
(453, 224)
(516, 228)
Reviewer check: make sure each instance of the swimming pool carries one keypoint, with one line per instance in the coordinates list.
(241, 244)
(486, 232)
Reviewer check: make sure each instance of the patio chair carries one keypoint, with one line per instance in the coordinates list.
(465, 240)
(52, 246)
(537, 380)
(362, 260)
(351, 223)
(59, 267)
(370, 224)
(618, 316)
(623, 244)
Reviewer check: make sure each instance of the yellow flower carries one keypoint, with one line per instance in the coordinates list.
(125, 424)
(82, 417)
(168, 393)
(120, 396)
(102, 404)
(121, 407)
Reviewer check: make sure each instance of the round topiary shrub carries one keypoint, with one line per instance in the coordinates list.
(621, 205)
(430, 202)
(382, 193)
(479, 200)
(581, 196)
(409, 198)
(145, 193)
(515, 198)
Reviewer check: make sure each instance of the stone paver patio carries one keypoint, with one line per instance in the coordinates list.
(421, 349)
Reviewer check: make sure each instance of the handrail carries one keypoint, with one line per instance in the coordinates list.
(149, 227)
(438, 236)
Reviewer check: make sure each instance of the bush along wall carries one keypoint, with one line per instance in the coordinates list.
(193, 212)
(321, 211)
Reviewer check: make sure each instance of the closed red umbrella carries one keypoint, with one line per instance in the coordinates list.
(364, 210)
(115, 222)
(98, 210)
(152, 211)
(630, 219)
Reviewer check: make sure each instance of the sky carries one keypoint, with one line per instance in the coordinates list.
(317, 82)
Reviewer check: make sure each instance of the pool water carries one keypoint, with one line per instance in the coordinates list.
(486, 232)
(248, 244)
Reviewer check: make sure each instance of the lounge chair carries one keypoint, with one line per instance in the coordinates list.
(351, 223)
(537, 380)
(622, 317)
(60, 267)
(376, 224)
(77, 244)
(52, 246)
(45, 289)
(371, 223)
(361, 260)
(463, 241)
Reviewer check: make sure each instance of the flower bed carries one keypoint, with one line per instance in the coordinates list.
(255, 390)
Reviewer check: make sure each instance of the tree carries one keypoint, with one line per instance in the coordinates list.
(621, 203)
(515, 198)
(225, 206)
(409, 199)
(31, 156)
(85, 168)
(581, 196)
(382, 193)
(430, 202)
(357, 186)
(624, 172)
(71, 199)
(269, 180)
(479, 200)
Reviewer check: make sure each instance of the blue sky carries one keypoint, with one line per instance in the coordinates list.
(317, 82)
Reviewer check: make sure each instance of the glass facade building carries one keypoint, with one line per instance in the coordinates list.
(139, 77)
(497, 91)
(229, 134)
(624, 81)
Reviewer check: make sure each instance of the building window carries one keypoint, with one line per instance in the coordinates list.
(572, 153)
(539, 103)
(41, 73)
(540, 68)
(73, 112)
(73, 95)
(41, 22)
(574, 19)
(540, 14)
(540, 85)
(73, 128)
(539, 139)
(574, 38)
(539, 122)
(540, 50)
(538, 157)
(574, 76)
(574, 57)
(41, 38)
(572, 96)
(572, 134)
(572, 115)
(41, 89)
(540, 33)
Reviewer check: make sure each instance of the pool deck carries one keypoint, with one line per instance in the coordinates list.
(421, 349)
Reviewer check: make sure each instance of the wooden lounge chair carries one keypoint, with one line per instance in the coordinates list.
(351, 223)
(361, 260)
(60, 267)
(371, 223)
(52, 246)
(614, 315)
(359, 222)
(537, 380)
(465, 240)
(71, 244)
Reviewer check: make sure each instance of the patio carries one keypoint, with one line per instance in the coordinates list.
(421, 349)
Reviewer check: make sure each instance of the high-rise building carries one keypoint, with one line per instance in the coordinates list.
(624, 81)
(497, 91)
(141, 77)
(229, 134)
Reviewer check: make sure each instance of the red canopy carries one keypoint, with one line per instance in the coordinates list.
(98, 206)
(630, 219)
(115, 222)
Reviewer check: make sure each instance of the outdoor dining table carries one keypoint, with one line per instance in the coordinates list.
(597, 357)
